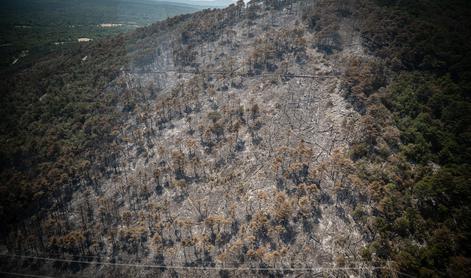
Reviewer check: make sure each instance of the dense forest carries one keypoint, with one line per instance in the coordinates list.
(267, 136)
(424, 219)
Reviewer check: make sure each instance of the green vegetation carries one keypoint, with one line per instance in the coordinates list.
(42, 26)
(425, 213)
(423, 216)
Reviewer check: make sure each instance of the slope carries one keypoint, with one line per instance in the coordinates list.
(258, 139)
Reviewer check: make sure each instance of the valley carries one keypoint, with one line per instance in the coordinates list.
(36, 25)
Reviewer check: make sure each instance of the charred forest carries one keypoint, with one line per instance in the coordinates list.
(269, 138)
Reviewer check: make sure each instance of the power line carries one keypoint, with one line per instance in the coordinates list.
(24, 274)
(319, 269)
(404, 274)
(50, 255)
(203, 268)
